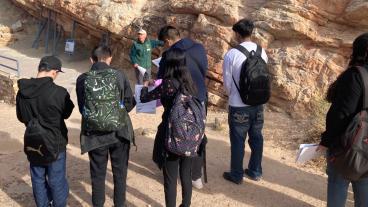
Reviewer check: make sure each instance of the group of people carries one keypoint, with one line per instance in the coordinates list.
(105, 99)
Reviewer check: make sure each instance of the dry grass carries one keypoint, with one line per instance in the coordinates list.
(318, 125)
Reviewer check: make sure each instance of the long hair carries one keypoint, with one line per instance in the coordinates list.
(359, 57)
(176, 68)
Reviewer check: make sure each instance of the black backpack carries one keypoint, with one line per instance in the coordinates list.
(350, 156)
(255, 80)
(37, 138)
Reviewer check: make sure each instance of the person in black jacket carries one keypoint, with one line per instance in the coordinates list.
(176, 79)
(100, 144)
(41, 98)
(345, 96)
(197, 64)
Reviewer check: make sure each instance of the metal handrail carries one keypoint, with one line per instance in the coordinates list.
(9, 67)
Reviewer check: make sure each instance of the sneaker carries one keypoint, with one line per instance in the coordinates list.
(246, 175)
(197, 184)
(227, 176)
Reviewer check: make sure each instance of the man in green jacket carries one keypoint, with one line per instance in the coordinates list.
(140, 54)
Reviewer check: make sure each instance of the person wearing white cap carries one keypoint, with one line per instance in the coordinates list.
(140, 54)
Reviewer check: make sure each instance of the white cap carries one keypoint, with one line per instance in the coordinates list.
(142, 31)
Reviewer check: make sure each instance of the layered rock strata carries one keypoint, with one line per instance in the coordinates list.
(308, 41)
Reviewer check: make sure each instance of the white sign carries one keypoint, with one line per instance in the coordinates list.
(69, 46)
(149, 107)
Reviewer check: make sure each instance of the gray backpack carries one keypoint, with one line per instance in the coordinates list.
(350, 157)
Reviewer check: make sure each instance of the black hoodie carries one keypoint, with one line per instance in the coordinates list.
(42, 98)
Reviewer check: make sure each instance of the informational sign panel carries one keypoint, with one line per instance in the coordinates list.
(69, 46)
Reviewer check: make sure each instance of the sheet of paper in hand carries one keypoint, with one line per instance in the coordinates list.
(142, 70)
(157, 61)
(149, 107)
(307, 152)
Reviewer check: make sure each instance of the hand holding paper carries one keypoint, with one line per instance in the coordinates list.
(149, 107)
(142, 70)
(157, 61)
(308, 152)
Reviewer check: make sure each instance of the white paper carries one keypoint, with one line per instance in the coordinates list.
(142, 70)
(157, 62)
(307, 152)
(149, 107)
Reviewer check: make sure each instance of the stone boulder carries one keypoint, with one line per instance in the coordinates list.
(308, 41)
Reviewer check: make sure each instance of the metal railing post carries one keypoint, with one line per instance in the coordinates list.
(17, 69)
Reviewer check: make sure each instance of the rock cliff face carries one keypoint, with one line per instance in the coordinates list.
(308, 41)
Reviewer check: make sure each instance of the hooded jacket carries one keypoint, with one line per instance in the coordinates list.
(42, 98)
(197, 64)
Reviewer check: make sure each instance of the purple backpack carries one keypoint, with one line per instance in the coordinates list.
(186, 126)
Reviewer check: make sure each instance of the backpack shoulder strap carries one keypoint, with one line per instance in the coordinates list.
(364, 74)
(243, 50)
(259, 50)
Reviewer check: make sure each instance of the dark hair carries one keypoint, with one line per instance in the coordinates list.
(244, 27)
(359, 57)
(168, 32)
(100, 52)
(176, 68)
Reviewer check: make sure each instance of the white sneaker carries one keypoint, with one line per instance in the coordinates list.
(197, 184)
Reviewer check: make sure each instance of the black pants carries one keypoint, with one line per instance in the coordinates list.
(170, 169)
(197, 163)
(119, 155)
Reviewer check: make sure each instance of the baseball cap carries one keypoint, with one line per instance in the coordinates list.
(142, 31)
(50, 63)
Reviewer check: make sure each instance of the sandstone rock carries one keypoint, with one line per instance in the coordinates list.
(308, 42)
(226, 11)
(7, 92)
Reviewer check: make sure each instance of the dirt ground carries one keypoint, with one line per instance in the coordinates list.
(284, 182)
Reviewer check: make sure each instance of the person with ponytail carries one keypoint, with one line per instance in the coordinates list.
(345, 96)
(176, 78)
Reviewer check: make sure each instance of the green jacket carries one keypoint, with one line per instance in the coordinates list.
(140, 53)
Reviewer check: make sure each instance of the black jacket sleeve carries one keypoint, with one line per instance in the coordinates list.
(80, 91)
(161, 69)
(166, 89)
(68, 106)
(127, 96)
(21, 111)
(347, 102)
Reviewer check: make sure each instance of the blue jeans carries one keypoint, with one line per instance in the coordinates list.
(337, 190)
(49, 183)
(242, 121)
